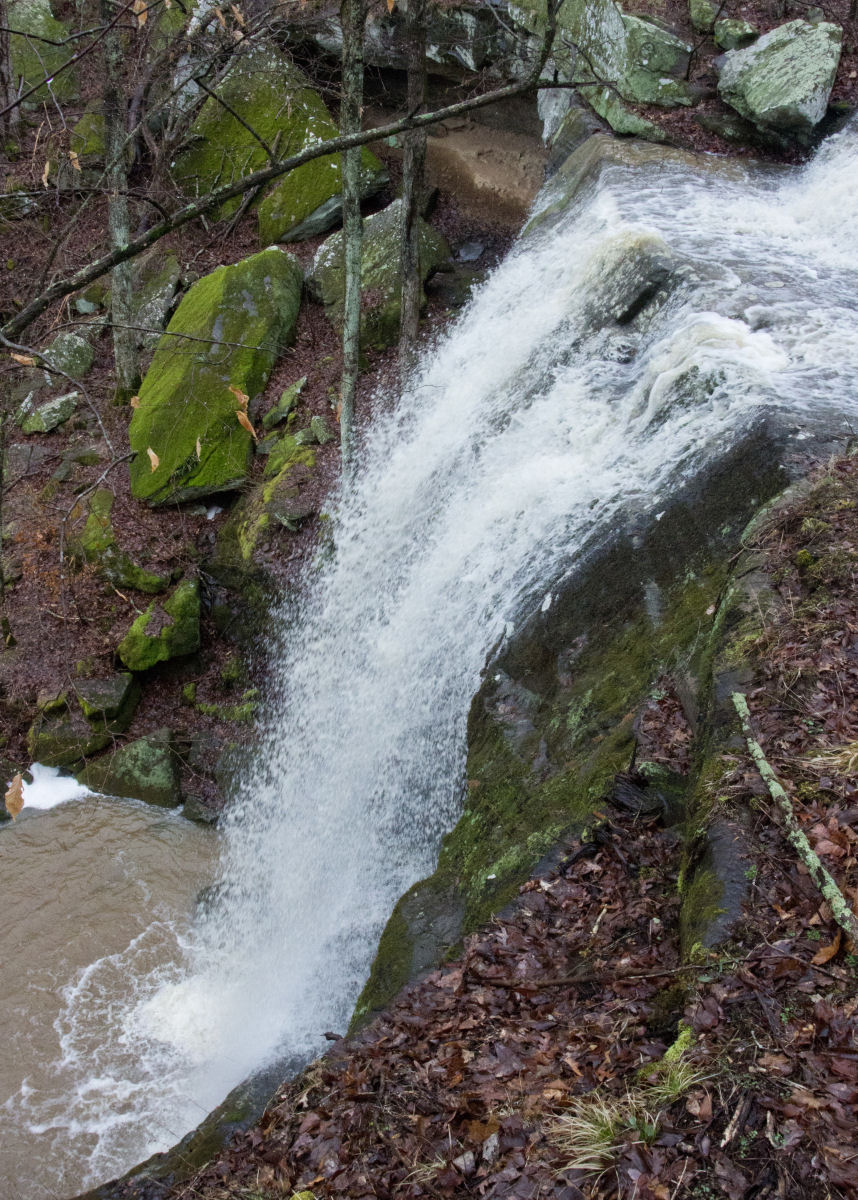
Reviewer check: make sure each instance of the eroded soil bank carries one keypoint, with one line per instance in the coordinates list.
(667, 1009)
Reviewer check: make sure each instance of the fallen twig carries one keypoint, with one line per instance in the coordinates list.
(824, 880)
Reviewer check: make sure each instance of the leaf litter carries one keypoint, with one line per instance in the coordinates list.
(735, 1075)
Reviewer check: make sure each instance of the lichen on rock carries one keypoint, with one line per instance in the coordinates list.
(145, 769)
(782, 83)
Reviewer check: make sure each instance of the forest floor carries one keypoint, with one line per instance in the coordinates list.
(571, 1050)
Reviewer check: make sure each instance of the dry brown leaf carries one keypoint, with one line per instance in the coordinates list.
(236, 12)
(74, 160)
(24, 360)
(244, 421)
(134, 401)
(391, 4)
(140, 8)
(825, 953)
(46, 173)
(242, 397)
(220, 17)
(199, 449)
(15, 796)
(153, 458)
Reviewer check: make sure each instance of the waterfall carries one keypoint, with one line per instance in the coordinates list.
(529, 430)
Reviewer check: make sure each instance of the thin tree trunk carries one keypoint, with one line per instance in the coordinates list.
(10, 121)
(118, 220)
(413, 164)
(353, 18)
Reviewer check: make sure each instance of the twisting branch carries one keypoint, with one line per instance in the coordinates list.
(840, 909)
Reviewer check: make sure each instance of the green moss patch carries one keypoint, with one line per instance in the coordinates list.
(164, 632)
(97, 544)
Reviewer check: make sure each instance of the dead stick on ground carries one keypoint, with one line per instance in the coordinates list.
(840, 909)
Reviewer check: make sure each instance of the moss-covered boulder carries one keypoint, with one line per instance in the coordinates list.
(274, 98)
(381, 284)
(656, 63)
(782, 83)
(164, 631)
(223, 339)
(87, 137)
(97, 544)
(82, 720)
(145, 769)
(32, 60)
(46, 417)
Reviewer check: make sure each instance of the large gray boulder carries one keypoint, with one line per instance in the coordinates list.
(783, 82)
(381, 283)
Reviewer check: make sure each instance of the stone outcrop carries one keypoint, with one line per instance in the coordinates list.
(380, 280)
(83, 719)
(782, 83)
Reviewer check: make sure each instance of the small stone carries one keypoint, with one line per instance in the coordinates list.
(285, 405)
(321, 430)
(50, 415)
(197, 810)
(491, 1149)
(465, 1163)
(470, 252)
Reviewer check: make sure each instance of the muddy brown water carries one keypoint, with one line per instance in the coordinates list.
(97, 894)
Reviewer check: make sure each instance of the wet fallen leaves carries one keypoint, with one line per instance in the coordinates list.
(577, 990)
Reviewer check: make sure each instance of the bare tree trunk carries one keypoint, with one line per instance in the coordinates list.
(353, 18)
(12, 118)
(413, 164)
(118, 220)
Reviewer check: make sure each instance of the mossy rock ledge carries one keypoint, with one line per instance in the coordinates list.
(224, 338)
(164, 631)
(554, 722)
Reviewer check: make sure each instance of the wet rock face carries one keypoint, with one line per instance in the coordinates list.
(782, 82)
(221, 344)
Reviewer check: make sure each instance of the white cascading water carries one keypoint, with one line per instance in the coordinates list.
(520, 438)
